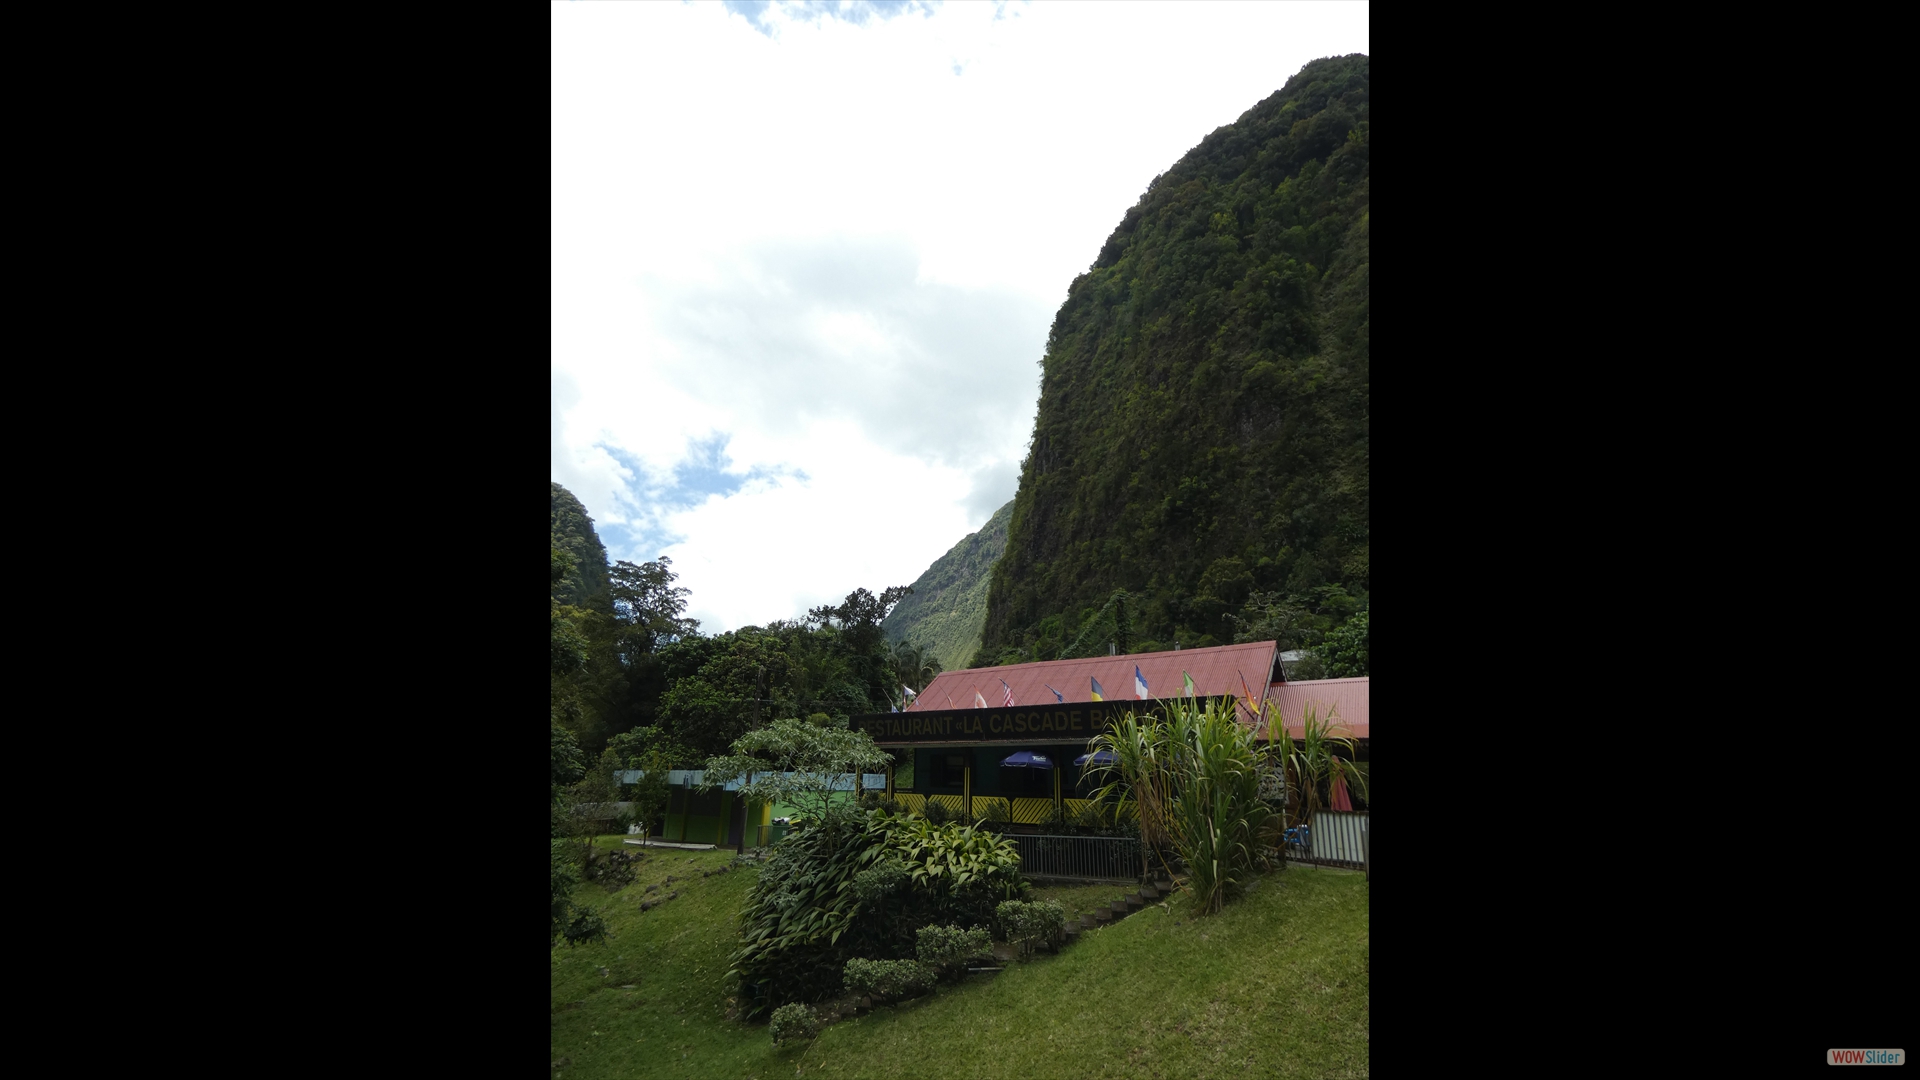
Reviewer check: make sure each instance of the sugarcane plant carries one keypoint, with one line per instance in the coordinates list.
(1216, 815)
(1192, 780)
(1136, 780)
(1311, 762)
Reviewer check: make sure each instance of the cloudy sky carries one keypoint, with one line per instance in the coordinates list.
(805, 257)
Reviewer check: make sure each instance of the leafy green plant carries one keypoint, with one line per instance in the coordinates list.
(953, 857)
(890, 978)
(793, 1022)
(937, 812)
(802, 906)
(1031, 925)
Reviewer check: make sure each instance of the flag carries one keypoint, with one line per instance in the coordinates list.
(1189, 680)
(978, 701)
(1098, 694)
(891, 707)
(1139, 684)
(1057, 695)
(909, 692)
(1009, 690)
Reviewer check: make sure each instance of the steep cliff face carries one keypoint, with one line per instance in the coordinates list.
(949, 602)
(573, 532)
(1202, 431)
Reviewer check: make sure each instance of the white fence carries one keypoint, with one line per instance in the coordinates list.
(1335, 838)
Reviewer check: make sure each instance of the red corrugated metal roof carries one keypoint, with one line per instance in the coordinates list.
(1344, 699)
(1215, 671)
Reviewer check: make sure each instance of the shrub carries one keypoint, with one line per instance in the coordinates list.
(892, 978)
(1031, 925)
(937, 811)
(856, 884)
(793, 1022)
(946, 949)
(885, 878)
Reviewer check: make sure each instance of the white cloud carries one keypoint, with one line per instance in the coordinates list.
(821, 245)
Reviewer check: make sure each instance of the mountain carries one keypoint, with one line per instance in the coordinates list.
(573, 533)
(949, 601)
(1201, 442)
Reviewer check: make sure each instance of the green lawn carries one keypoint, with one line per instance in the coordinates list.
(1274, 986)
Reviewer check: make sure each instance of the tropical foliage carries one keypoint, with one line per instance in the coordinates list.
(852, 884)
(1192, 778)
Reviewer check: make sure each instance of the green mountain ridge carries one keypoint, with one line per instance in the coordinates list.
(573, 532)
(949, 602)
(1202, 437)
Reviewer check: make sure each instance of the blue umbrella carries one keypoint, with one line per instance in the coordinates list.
(1027, 759)
(1098, 757)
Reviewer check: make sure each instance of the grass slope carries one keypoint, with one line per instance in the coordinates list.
(1274, 986)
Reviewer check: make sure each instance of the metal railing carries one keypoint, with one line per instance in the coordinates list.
(1101, 858)
(1335, 838)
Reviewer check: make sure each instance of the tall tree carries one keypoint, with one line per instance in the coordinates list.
(857, 619)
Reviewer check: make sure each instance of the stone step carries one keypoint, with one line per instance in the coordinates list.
(1134, 902)
(1103, 915)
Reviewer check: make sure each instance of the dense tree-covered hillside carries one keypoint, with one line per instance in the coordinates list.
(949, 602)
(633, 675)
(1201, 445)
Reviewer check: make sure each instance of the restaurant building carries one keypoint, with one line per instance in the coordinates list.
(1011, 735)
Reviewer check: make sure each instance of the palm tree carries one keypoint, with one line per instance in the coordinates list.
(913, 666)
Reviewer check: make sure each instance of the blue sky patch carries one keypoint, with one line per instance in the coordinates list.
(857, 12)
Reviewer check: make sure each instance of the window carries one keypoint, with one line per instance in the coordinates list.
(949, 770)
